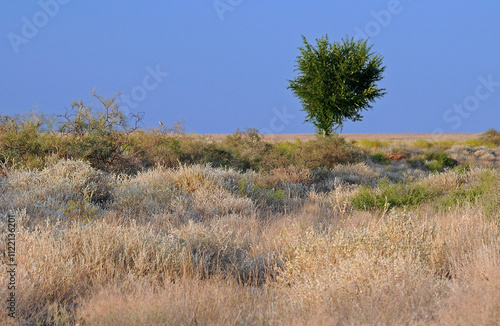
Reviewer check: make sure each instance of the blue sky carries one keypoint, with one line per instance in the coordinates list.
(225, 64)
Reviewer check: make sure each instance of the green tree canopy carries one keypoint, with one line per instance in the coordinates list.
(336, 81)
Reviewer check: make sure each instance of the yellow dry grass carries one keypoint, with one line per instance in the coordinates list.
(405, 137)
(194, 246)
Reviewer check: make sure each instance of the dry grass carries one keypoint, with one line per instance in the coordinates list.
(210, 246)
(406, 137)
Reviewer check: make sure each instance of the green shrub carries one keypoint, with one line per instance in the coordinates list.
(270, 197)
(380, 158)
(468, 193)
(217, 157)
(365, 199)
(103, 139)
(23, 143)
(248, 151)
(97, 137)
(439, 161)
(391, 195)
(432, 161)
(287, 149)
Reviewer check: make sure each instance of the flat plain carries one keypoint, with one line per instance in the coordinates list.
(372, 136)
(175, 229)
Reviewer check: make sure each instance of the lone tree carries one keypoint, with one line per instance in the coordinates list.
(336, 81)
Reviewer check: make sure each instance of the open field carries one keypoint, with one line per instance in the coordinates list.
(459, 137)
(312, 232)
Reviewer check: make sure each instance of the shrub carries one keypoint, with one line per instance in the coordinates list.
(104, 139)
(148, 193)
(432, 161)
(289, 174)
(248, 151)
(389, 195)
(475, 185)
(327, 152)
(264, 197)
(98, 137)
(66, 189)
(23, 143)
(217, 157)
(439, 161)
(80, 210)
(491, 136)
(380, 158)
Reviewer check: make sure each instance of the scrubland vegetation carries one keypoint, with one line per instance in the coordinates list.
(164, 228)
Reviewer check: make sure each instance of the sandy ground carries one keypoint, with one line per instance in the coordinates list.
(357, 137)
